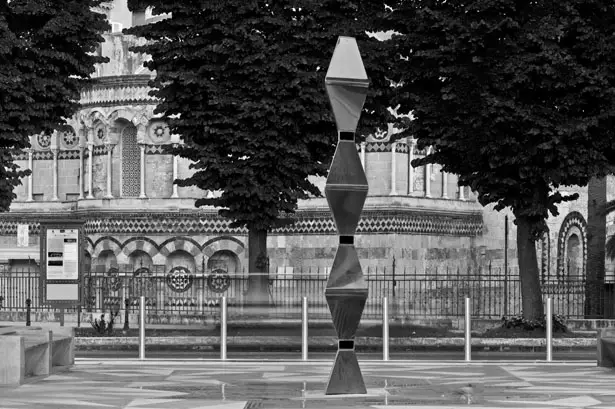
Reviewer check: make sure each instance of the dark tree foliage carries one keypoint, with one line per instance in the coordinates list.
(242, 83)
(516, 97)
(46, 56)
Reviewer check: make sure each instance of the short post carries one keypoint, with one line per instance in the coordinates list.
(385, 329)
(62, 317)
(549, 329)
(304, 329)
(126, 315)
(28, 305)
(467, 333)
(142, 327)
(223, 318)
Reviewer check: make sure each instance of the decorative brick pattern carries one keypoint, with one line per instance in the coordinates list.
(99, 150)
(155, 150)
(372, 222)
(131, 163)
(44, 155)
(69, 154)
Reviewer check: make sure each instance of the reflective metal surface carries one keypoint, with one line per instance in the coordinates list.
(346, 190)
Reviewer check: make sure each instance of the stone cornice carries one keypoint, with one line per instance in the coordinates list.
(125, 89)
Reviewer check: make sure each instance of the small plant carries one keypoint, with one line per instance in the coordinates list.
(103, 327)
(517, 321)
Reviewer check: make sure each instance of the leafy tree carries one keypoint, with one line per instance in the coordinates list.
(46, 57)
(242, 83)
(516, 97)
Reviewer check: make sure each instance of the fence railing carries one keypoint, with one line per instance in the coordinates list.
(412, 294)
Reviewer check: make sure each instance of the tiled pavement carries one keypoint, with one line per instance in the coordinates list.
(294, 384)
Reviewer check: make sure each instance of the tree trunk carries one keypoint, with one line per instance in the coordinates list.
(531, 292)
(596, 243)
(258, 265)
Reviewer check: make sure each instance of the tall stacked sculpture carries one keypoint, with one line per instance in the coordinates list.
(346, 189)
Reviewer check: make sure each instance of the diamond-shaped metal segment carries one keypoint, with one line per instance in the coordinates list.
(346, 65)
(346, 308)
(346, 168)
(346, 273)
(346, 206)
(346, 82)
(346, 102)
(346, 377)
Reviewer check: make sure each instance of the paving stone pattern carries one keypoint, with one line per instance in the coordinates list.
(258, 385)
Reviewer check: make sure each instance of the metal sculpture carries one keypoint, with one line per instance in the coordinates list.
(346, 189)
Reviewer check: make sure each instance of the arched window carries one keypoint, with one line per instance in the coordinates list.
(131, 163)
(574, 256)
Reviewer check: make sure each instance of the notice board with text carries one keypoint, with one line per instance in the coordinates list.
(61, 262)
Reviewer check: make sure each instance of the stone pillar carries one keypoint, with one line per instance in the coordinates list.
(142, 194)
(444, 185)
(363, 147)
(91, 167)
(55, 152)
(393, 169)
(411, 143)
(109, 193)
(175, 173)
(31, 177)
(81, 148)
(428, 180)
(461, 193)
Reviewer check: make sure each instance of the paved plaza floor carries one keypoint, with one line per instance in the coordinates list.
(295, 384)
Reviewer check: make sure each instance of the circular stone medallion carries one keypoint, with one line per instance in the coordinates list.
(180, 279)
(218, 281)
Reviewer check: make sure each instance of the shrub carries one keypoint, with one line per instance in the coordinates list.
(103, 327)
(517, 321)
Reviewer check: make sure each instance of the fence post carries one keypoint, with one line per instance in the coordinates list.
(385, 329)
(126, 316)
(468, 334)
(304, 329)
(28, 305)
(549, 329)
(142, 327)
(223, 323)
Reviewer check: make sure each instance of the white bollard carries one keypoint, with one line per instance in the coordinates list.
(223, 318)
(549, 329)
(385, 329)
(304, 329)
(142, 327)
(468, 334)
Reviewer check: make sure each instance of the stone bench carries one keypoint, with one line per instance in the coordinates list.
(33, 351)
(606, 347)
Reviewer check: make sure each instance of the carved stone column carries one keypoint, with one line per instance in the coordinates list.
(393, 169)
(142, 194)
(411, 143)
(81, 169)
(31, 177)
(91, 168)
(55, 152)
(346, 190)
(175, 193)
(444, 185)
(428, 180)
(363, 147)
(109, 193)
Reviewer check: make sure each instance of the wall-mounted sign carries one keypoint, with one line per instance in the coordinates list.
(61, 262)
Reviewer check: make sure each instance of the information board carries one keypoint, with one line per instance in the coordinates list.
(61, 262)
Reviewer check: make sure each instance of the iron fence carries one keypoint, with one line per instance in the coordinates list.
(435, 293)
